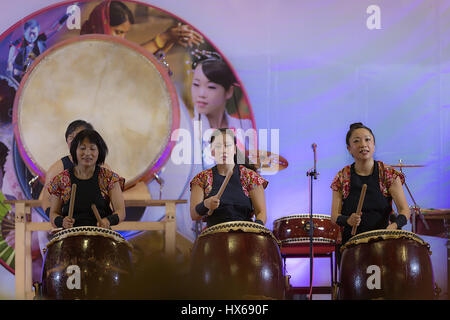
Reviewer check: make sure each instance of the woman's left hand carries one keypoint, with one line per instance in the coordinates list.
(104, 224)
(392, 226)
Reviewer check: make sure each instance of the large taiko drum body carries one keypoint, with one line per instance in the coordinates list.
(386, 264)
(294, 229)
(110, 82)
(237, 260)
(86, 263)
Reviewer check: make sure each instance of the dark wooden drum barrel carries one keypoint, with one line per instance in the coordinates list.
(294, 229)
(86, 263)
(237, 260)
(386, 264)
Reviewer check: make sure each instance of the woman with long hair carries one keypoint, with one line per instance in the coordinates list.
(243, 198)
(115, 18)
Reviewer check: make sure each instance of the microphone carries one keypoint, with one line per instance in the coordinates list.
(160, 182)
(314, 147)
(32, 181)
(64, 18)
(159, 179)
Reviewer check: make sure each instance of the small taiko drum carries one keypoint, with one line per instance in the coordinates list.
(237, 260)
(294, 229)
(117, 86)
(386, 264)
(86, 263)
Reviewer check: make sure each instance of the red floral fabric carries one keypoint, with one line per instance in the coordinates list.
(249, 180)
(61, 185)
(387, 176)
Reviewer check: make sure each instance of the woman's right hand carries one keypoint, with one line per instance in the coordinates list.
(68, 222)
(185, 36)
(212, 203)
(354, 219)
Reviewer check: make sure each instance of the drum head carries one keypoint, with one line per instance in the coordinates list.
(383, 234)
(239, 226)
(88, 231)
(117, 86)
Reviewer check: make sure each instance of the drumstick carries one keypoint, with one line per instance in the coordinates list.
(97, 215)
(222, 188)
(72, 200)
(360, 204)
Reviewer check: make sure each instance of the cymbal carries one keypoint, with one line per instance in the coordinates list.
(268, 161)
(406, 165)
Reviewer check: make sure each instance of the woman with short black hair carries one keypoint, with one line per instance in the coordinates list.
(64, 163)
(95, 185)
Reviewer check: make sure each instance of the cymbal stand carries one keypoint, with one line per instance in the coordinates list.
(415, 209)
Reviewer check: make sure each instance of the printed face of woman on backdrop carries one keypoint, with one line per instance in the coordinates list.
(362, 145)
(208, 97)
(121, 30)
(223, 149)
(87, 153)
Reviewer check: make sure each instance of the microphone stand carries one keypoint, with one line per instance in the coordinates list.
(311, 174)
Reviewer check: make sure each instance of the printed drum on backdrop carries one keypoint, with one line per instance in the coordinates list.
(110, 82)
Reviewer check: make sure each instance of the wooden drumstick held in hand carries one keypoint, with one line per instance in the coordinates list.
(360, 204)
(222, 188)
(72, 200)
(97, 215)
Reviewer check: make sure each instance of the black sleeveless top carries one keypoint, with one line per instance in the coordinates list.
(234, 204)
(88, 192)
(376, 208)
(67, 163)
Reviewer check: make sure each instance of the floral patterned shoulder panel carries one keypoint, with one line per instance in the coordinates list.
(249, 180)
(61, 185)
(387, 176)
